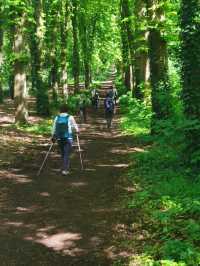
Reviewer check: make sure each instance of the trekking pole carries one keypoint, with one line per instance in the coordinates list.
(79, 149)
(45, 159)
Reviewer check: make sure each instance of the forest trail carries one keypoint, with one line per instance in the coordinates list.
(54, 220)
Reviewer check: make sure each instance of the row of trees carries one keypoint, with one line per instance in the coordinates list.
(158, 38)
(44, 44)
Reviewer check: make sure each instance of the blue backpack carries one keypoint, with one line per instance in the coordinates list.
(109, 105)
(61, 131)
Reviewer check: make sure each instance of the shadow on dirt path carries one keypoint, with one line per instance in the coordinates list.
(53, 220)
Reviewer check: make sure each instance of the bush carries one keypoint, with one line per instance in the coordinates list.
(166, 199)
(137, 118)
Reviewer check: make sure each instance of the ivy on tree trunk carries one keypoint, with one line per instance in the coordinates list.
(160, 89)
(190, 57)
(36, 46)
(1, 52)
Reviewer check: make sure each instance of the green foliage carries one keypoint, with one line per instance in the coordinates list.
(190, 62)
(74, 101)
(168, 201)
(42, 128)
(121, 89)
(138, 115)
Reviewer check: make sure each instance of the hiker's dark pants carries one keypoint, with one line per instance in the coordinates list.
(109, 118)
(83, 115)
(65, 149)
(95, 103)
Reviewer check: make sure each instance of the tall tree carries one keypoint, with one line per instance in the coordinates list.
(53, 49)
(76, 56)
(36, 45)
(20, 64)
(64, 21)
(127, 20)
(126, 66)
(1, 52)
(141, 48)
(85, 46)
(190, 55)
(158, 62)
(88, 19)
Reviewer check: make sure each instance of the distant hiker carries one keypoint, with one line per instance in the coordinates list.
(109, 107)
(83, 110)
(93, 92)
(113, 93)
(95, 99)
(63, 127)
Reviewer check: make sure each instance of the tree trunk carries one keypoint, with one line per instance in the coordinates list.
(11, 75)
(159, 69)
(190, 57)
(141, 55)
(76, 59)
(64, 35)
(54, 79)
(158, 66)
(1, 53)
(36, 45)
(126, 72)
(126, 13)
(11, 84)
(20, 89)
(85, 49)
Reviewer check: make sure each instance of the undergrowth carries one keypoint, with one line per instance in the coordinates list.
(166, 198)
(43, 127)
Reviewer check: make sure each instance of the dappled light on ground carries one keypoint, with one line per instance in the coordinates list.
(60, 220)
(63, 242)
(18, 178)
(113, 165)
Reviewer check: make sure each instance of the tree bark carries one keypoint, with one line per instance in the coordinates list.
(20, 89)
(158, 65)
(36, 45)
(126, 71)
(130, 37)
(141, 54)
(85, 49)
(190, 57)
(1, 52)
(64, 36)
(76, 58)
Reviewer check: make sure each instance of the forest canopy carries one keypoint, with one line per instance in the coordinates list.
(152, 45)
(57, 51)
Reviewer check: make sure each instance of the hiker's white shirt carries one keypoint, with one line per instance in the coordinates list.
(72, 125)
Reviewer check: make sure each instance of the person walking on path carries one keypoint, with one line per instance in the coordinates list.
(109, 107)
(95, 99)
(113, 93)
(63, 127)
(83, 110)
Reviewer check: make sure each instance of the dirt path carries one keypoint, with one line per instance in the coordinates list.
(55, 220)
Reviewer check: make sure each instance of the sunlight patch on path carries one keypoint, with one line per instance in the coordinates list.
(120, 165)
(64, 242)
(18, 178)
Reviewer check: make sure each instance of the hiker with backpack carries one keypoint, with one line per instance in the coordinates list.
(109, 107)
(95, 99)
(63, 127)
(113, 93)
(83, 110)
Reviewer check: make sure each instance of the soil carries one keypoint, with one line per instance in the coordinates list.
(55, 220)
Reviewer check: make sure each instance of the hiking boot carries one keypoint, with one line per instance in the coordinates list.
(64, 172)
